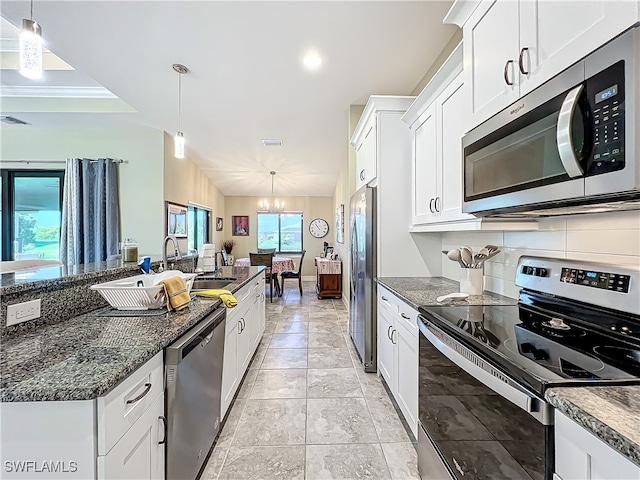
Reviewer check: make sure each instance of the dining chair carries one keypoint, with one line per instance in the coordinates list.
(266, 260)
(267, 250)
(294, 274)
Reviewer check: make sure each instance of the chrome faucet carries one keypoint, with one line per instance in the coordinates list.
(176, 250)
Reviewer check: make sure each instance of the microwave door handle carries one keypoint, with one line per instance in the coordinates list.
(563, 133)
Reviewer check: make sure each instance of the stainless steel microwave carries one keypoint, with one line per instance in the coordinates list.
(571, 145)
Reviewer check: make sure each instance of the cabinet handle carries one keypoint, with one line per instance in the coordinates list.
(362, 174)
(405, 316)
(521, 60)
(394, 331)
(147, 389)
(431, 205)
(506, 72)
(164, 423)
(388, 334)
(436, 204)
(385, 298)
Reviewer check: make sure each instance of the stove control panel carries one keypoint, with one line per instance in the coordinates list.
(602, 284)
(595, 279)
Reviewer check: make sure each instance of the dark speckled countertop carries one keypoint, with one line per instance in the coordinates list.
(610, 413)
(423, 291)
(86, 356)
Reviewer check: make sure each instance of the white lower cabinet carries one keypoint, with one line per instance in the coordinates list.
(580, 455)
(398, 353)
(140, 452)
(244, 328)
(117, 436)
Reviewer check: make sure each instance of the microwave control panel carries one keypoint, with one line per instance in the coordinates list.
(606, 99)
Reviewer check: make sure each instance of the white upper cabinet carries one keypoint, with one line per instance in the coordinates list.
(555, 35)
(366, 159)
(424, 164)
(512, 47)
(490, 50)
(435, 122)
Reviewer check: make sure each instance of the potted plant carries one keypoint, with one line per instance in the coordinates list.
(228, 245)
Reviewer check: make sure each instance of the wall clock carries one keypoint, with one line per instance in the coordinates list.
(318, 227)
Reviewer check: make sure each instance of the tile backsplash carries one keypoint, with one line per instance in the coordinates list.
(605, 237)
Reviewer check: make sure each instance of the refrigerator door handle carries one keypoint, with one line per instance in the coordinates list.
(354, 254)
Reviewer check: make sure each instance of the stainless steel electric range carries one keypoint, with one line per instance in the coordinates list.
(484, 369)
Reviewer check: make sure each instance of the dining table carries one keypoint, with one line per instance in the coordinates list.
(279, 265)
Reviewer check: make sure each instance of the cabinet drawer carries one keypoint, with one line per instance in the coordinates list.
(387, 301)
(120, 408)
(408, 317)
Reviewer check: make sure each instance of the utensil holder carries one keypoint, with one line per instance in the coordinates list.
(472, 281)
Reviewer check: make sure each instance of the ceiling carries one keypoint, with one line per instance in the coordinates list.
(246, 80)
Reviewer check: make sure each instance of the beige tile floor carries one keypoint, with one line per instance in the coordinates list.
(306, 410)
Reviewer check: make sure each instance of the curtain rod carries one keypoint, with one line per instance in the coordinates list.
(119, 160)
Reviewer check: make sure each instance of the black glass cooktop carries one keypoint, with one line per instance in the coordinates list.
(543, 348)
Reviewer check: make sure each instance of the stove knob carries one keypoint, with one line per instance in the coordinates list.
(540, 355)
(542, 272)
(527, 348)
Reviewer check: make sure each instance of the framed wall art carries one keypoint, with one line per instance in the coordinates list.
(218, 224)
(240, 225)
(176, 219)
(340, 223)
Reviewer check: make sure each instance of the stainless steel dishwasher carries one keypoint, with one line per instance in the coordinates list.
(193, 372)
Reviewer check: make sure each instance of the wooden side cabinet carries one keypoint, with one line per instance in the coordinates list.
(328, 278)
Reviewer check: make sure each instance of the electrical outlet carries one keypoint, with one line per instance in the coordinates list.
(21, 312)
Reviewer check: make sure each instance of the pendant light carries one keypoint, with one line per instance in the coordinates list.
(31, 48)
(276, 206)
(179, 138)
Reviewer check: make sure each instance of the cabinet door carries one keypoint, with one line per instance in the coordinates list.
(138, 454)
(366, 156)
(386, 348)
(407, 375)
(553, 43)
(245, 341)
(491, 38)
(257, 314)
(451, 108)
(425, 167)
(580, 455)
(230, 375)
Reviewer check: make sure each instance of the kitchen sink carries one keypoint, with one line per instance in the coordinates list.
(212, 283)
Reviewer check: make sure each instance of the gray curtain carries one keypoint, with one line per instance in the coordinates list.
(90, 219)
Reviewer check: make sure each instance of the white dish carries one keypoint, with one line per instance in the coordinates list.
(452, 296)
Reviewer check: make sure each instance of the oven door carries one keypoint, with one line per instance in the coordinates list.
(479, 422)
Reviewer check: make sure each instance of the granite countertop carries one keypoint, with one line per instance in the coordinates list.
(423, 291)
(609, 412)
(86, 356)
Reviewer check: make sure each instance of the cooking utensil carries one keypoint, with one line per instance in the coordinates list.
(467, 256)
(455, 256)
(492, 248)
(453, 295)
(491, 255)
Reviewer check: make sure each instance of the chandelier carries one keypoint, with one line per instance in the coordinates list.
(31, 48)
(276, 205)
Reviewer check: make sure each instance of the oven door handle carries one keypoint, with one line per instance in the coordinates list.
(564, 139)
(518, 397)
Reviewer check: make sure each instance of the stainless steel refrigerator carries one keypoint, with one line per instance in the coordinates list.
(362, 309)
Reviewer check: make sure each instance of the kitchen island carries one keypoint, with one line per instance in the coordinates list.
(84, 396)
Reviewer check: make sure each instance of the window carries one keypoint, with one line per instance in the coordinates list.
(198, 222)
(31, 214)
(282, 231)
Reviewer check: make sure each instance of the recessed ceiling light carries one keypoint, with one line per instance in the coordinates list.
(312, 60)
(272, 142)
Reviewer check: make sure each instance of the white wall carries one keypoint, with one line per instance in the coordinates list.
(604, 237)
(140, 179)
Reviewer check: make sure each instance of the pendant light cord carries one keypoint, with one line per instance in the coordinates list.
(31, 18)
